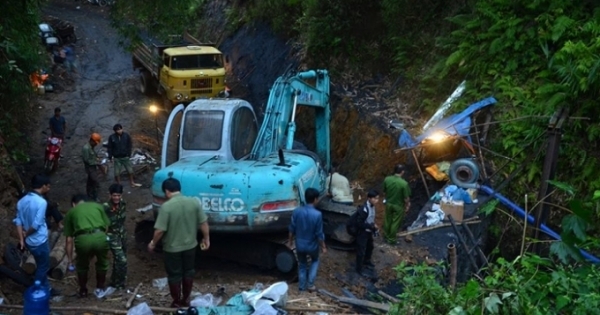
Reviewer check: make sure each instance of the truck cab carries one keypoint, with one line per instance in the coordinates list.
(179, 72)
(191, 72)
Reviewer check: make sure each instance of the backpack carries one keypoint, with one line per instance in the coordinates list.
(352, 224)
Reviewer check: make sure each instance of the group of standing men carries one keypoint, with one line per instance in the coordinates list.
(89, 227)
(119, 148)
(306, 227)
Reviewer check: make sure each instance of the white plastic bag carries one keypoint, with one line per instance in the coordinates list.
(262, 301)
(206, 300)
(159, 283)
(140, 309)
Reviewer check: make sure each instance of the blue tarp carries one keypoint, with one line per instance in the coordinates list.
(457, 124)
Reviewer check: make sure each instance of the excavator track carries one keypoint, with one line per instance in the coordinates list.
(267, 251)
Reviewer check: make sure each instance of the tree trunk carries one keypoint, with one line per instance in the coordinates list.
(29, 266)
(58, 252)
(60, 271)
(53, 238)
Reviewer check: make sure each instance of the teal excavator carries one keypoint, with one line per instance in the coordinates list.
(249, 179)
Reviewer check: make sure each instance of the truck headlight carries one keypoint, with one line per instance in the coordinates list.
(178, 96)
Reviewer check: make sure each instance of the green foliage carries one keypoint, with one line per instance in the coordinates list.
(527, 285)
(534, 57)
(21, 53)
(164, 20)
(329, 29)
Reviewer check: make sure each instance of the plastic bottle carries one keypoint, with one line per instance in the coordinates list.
(37, 300)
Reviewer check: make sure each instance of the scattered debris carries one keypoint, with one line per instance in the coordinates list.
(160, 283)
(140, 157)
(144, 209)
(133, 296)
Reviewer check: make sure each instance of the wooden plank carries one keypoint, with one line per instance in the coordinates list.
(473, 220)
(132, 297)
(358, 302)
(389, 297)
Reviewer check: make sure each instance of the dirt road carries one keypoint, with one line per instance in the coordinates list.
(105, 93)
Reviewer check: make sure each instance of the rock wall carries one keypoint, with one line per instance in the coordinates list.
(361, 141)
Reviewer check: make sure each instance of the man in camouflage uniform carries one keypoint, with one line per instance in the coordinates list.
(117, 235)
(91, 161)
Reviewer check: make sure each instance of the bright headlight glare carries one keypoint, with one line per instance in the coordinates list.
(437, 136)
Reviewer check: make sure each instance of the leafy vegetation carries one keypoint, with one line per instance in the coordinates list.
(527, 285)
(21, 53)
(534, 57)
(164, 20)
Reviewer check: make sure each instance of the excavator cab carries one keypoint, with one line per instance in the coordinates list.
(225, 131)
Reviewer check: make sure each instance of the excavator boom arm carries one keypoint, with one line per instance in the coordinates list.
(290, 91)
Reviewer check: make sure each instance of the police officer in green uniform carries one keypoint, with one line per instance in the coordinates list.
(179, 220)
(397, 202)
(91, 163)
(117, 235)
(85, 227)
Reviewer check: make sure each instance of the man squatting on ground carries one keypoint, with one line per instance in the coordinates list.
(307, 227)
(85, 227)
(117, 235)
(338, 187)
(179, 219)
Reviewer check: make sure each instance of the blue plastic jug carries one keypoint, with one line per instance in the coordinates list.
(37, 300)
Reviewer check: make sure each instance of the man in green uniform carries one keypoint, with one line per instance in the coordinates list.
(91, 163)
(117, 236)
(85, 226)
(397, 202)
(179, 220)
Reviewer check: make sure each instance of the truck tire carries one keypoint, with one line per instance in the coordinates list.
(145, 82)
(13, 256)
(17, 277)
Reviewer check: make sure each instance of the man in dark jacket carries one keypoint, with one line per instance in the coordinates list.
(119, 152)
(365, 231)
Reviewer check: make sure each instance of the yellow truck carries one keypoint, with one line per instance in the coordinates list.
(180, 73)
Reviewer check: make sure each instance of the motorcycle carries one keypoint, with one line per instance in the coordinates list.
(52, 155)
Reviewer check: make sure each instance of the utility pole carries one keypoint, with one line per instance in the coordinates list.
(542, 211)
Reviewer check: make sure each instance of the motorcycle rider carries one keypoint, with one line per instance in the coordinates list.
(58, 125)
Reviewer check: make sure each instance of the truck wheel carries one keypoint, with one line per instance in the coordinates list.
(145, 80)
(285, 261)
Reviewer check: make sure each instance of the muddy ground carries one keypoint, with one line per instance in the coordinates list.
(103, 93)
